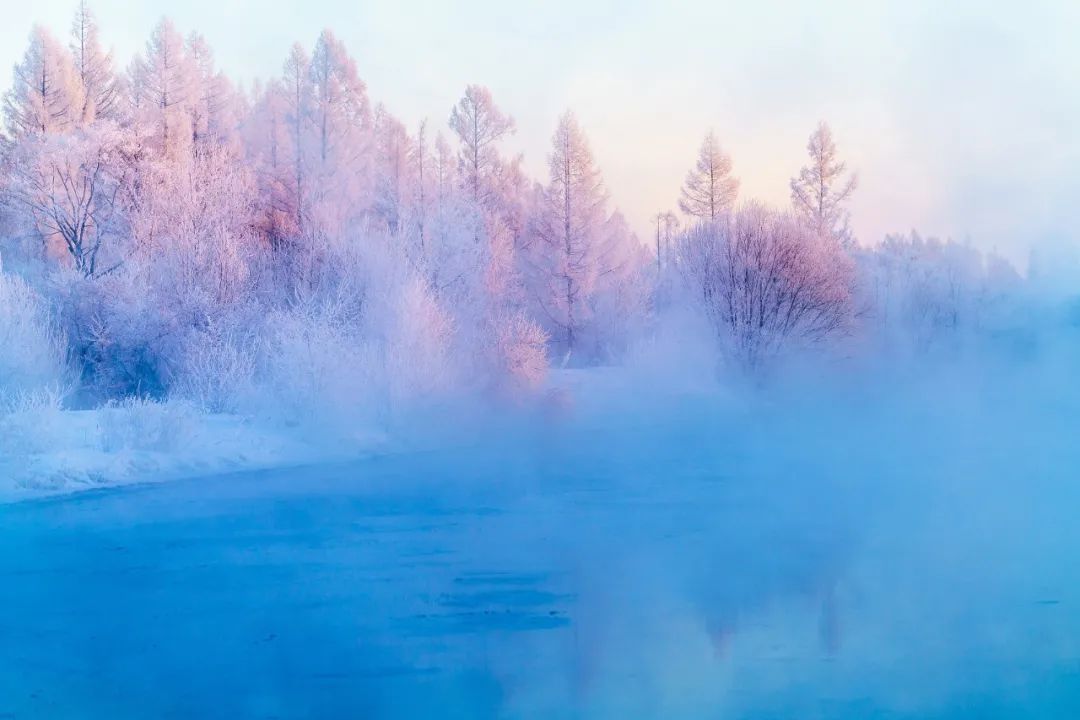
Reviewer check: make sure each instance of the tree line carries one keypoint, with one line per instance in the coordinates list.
(189, 235)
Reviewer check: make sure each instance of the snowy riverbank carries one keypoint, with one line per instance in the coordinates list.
(46, 450)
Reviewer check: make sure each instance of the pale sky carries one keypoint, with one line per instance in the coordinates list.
(960, 117)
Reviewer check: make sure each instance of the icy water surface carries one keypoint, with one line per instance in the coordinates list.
(559, 581)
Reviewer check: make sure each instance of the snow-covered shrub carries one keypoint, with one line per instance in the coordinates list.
(517, 354)
(418, 339)
(217, 370)
(120, 338)
(138, 330)
(145, 424)
(32, 350)
(315, 366)
(32, 422)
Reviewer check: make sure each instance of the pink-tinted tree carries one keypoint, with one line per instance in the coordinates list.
(479, 125)
(93, 66)
(394, 170)
(213, 103)
(820, 193)
(767, 282)
(45, 95)
(268, 147)
(298, 103)
(162, 87)
(572, 251)
(341, 113)
(709, 189)
(341, 167)
(73, 188)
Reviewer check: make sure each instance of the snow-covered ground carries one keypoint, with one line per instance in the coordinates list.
(878, 556)
(48, 451)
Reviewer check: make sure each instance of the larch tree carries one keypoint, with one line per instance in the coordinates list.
(496, 187)
(820, 193)
(212, 102)
(709, 189)
(45, 96)
(162, 80)
(93, 66)
(572, 252)
(268, 145)
(421, 164)
(445, 169)
(393, 169)
(341, 111)
(342, 159)
(667, 224)
(297, 100)
(479, 125)
(450, 249)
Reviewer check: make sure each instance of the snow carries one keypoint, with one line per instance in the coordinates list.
(48, 451)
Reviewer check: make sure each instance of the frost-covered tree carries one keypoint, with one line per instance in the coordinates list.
(492, 194)
(313, 135)
(93, 66)
(766, 281)
(507, 220)
(201, 213)
(709, 189)
(340, 182)
(268, 146)
(393, 169)
(667, 224)
(45, 95)
(423, 179)
(621, 302)
(213, 103)
(479, 125)
(820, 193)
(445, 168)
(73, 187)
(340, 110)
(162, 86)
(924, 292)
(298, 102)
(572, 251)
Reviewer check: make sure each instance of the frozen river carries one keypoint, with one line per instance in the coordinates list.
(550, 580)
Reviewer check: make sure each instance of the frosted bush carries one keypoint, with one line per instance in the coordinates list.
(144, 424)
(32, 355)
(420, 332)
(32, 422)
(518, 353)
(766, 283)
(217, 371)
(118, 335)
(315, 367)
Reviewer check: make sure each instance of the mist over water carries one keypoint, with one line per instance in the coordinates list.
(832, 545)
